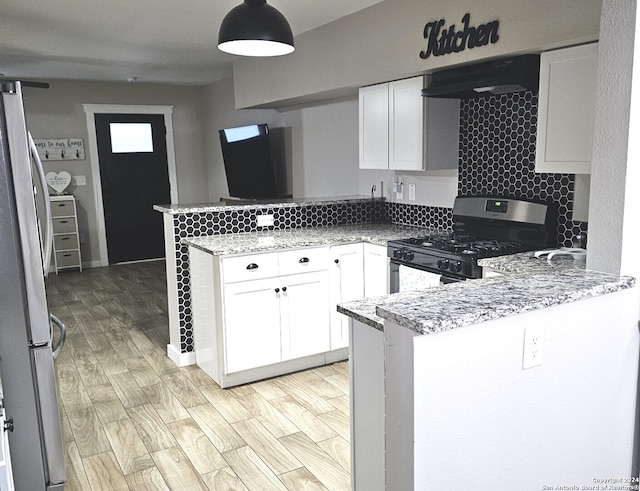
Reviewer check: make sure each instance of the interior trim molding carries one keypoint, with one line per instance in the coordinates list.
(181, 359)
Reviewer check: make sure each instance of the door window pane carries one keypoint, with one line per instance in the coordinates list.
(131, 137)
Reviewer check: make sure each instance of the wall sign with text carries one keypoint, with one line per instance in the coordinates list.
(60, 148)
(442, 40)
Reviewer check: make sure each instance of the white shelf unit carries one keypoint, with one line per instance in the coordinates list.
(66, 241)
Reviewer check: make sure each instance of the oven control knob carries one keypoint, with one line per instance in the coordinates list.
(408, 255)
(443, 264)
(455, 266)
(397, 253)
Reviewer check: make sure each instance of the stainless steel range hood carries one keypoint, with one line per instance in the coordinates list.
(485, 79)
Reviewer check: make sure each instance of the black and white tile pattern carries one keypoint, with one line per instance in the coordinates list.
(497, 157)
(201, 221)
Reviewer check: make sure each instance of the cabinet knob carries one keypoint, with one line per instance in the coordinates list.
(303, 260)
(284, 288)
(337, 261)
(252, 266)
(277, 290)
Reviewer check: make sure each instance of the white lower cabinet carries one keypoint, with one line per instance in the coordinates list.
(346, 283)
(261, 315)
(251, 325)
(376, 271)
(304, 314)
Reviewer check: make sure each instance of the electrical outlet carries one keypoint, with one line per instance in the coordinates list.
(412, 192)
(533, 347)
(79, 180)
(265, 220)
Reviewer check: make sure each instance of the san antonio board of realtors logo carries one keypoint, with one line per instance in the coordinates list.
(444, 41)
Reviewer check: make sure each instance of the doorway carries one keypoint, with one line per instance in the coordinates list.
(134, 175)
(129, 180)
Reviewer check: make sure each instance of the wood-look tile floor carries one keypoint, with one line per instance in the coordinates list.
(134, 420)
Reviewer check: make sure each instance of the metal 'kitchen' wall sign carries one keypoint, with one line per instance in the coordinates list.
(444, 41)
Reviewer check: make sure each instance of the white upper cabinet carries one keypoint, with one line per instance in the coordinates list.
(401, 130)
(566, 109)
(406, 124)
(374, 127)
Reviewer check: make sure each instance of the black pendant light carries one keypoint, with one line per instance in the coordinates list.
(255, 29)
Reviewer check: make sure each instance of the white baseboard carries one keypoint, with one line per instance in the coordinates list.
(92, 264)
(180, 359)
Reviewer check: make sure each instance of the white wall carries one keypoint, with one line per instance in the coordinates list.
(219, 112)
(614, 200)
(481, 422)
(57, 112)
(325, 149)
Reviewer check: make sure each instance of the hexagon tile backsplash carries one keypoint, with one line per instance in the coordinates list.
(497, 156)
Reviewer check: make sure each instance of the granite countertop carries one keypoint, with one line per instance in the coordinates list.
(248, 204)
(271, 240)
(528, 283)
(526, 262)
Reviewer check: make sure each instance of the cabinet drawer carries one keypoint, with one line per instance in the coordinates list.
(64, 225)
(63, 208)
(304, 260)
(66, 242)
(67, 259)
(251, 267)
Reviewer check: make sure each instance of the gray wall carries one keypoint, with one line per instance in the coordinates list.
(57, 112)
(383, 43)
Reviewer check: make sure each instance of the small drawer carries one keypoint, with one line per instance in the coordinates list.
(66, 242)
(304, 260)
(64, 225)
(63, 208)
(68, 259)
(251, 267)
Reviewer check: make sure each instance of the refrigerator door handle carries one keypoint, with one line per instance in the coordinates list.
(50, 415)
(57, 347)
(48, 235)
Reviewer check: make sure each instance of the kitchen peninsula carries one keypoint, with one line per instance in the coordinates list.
(491, 382)
(264, 303)
(225, 219)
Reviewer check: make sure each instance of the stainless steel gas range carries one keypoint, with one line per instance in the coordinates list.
(486, 226)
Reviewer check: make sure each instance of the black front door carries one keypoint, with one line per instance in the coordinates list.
(132, 151)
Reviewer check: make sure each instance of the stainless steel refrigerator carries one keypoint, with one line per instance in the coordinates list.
(26, 353)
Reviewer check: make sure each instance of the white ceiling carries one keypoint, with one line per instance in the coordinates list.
(162, 41)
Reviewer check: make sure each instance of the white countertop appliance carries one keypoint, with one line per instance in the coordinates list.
(484, 226)
(26, 345)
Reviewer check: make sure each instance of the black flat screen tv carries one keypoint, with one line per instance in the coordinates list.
(252, 172)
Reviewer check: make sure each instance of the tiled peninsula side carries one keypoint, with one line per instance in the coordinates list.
(201, 220)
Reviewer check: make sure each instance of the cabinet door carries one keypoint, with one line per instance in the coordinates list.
(305, 316)
(374, 127)
(376, 271)
(251, 325)
(566, 109)
(346, 280)
(406, 124)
